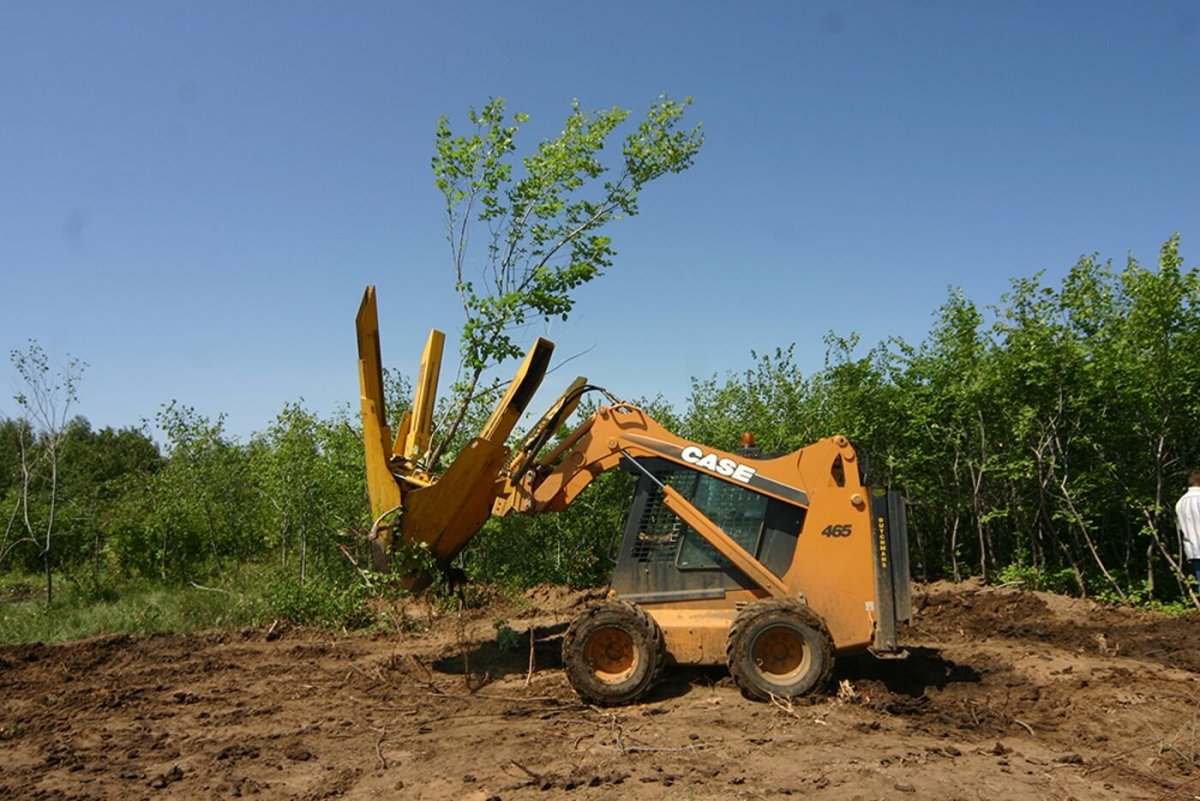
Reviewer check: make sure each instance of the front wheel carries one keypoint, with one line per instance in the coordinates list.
(613, 653)
(779, 647)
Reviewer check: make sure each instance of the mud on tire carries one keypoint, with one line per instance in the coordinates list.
(780, 647)
(613, 653)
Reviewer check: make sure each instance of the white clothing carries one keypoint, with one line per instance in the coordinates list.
(1187, 515)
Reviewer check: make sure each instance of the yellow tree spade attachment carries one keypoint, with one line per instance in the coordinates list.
(409, 503)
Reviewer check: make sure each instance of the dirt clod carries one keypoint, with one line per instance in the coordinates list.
(171, 776)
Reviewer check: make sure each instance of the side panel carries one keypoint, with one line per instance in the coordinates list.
(891, 566)
(834, 568)
(901, 569)
(697, 631)
(694, 635)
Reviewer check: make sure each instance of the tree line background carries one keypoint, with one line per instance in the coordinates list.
(1042, 439)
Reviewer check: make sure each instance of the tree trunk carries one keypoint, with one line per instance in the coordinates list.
(468, 395)
(303, 553)
(1087, 539)
(50, 523)
(977, 516)
(954, 550)
(1185, 586)
(49, 578)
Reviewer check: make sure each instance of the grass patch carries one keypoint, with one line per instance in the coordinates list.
(253, 596)
(137, 607)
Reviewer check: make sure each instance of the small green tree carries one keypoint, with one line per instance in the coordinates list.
(100, 470)
(308, 470)
(45, 400)
(543, 227)
(204, 499)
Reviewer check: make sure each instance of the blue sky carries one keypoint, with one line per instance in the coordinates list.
(193, 195)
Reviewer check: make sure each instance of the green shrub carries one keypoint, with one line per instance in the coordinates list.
(326, 602)
(507, 638)
(1060, 582)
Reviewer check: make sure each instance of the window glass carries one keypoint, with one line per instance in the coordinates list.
(659, 530)
(737, 511)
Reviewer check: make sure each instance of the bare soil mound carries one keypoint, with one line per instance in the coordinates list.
(1004, 695)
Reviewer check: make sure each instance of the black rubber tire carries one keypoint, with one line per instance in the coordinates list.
(779, 647)
(613, 653)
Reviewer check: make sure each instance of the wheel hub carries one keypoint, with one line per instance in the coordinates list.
(611, 654)
(780, 654)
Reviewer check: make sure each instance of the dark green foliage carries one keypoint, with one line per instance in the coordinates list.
(309, 474)
(576, 547)
(327, 601)
(203, 500)
(1043, 441)
(1053, 433)
(204, 513)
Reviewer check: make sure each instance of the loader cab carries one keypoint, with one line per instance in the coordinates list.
(661, 558)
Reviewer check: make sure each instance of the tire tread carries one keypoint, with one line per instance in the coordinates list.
(749, 617)
(619, 611)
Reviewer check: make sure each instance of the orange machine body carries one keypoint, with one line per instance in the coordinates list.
(710, 530)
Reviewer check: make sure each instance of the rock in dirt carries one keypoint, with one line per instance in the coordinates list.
(170, 777)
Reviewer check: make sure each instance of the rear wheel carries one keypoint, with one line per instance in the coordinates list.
(613, 653)
(779, 647)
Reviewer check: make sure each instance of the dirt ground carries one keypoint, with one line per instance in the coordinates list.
(1004, 695)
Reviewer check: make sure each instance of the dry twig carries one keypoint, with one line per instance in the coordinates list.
(378, 743)
(532, 639)
(212, 589)
(535, 776)
(354, 563)
(428, 673)
(786, 706)
(645, 749)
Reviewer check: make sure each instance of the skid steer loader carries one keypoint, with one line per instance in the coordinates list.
(771, 566)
